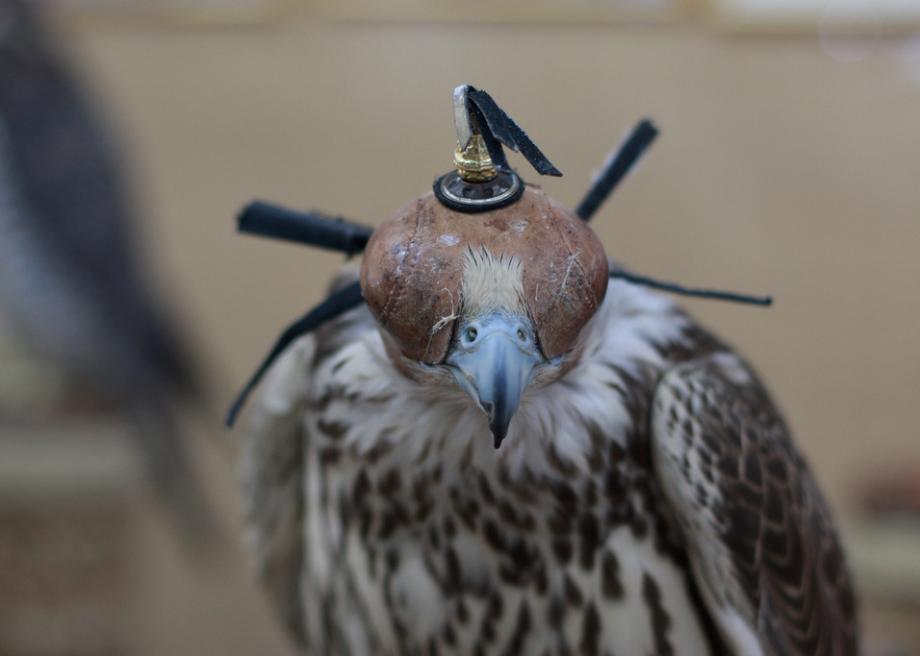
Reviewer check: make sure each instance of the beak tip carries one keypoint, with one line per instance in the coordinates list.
(499, 432)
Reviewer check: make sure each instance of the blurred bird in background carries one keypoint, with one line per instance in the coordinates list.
(72, 285)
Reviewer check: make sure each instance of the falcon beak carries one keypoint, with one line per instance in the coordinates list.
(493, 360)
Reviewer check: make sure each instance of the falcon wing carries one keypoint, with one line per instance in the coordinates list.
(273, 460)
(273, 481)
(66, 170)
(759, 534)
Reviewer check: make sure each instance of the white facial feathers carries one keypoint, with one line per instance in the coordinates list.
(491, 283)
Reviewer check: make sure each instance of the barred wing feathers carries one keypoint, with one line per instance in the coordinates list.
(761, 539)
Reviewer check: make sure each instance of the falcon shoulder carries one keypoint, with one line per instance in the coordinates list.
(273, 470)
(759, 534)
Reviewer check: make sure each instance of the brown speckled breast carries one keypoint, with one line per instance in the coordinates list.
(412, 270)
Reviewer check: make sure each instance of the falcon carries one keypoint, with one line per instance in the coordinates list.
(73, 286)
(491, 439)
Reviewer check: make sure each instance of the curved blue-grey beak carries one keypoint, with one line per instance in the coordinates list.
(493, 360)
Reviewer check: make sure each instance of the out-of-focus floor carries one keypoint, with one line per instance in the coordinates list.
(780, 169)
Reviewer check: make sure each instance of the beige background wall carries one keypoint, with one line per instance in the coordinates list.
(779, 170)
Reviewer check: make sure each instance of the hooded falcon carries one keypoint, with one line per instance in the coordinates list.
(485, 447)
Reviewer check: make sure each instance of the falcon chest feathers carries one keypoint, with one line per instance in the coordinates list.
(502, 454)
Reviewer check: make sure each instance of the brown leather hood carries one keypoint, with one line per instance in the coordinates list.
(412, 270)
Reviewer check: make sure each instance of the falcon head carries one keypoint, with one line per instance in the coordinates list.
(489, 303)
(483, 286)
